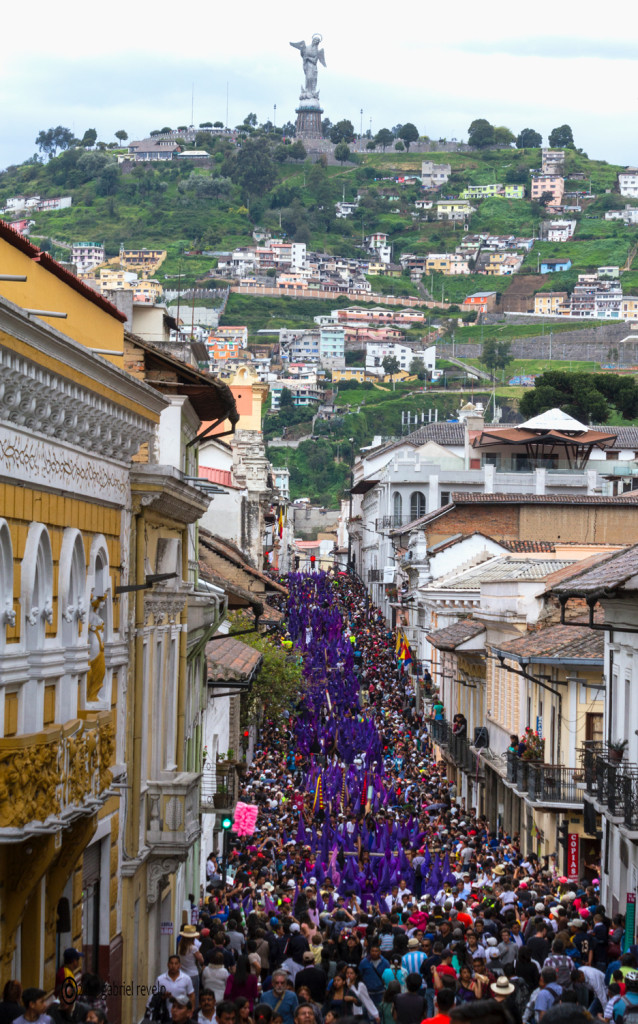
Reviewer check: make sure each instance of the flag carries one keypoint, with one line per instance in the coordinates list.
(281, 521)
(318, 801)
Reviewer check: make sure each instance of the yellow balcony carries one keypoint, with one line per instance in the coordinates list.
(50, 778)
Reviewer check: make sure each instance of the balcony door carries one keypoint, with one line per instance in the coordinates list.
(594, 727)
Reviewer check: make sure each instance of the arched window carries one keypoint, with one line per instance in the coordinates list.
(36, 588)
(72, 610)
(417, 505)
(397, 509)
(7, 614)
(100, 621)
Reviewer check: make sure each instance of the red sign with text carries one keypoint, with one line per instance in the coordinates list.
(573, 856)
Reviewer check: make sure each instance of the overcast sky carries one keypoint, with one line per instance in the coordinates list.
(133, 66)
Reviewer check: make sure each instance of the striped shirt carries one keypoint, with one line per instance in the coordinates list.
(411, 962)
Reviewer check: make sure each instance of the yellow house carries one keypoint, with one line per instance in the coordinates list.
(70, 423)
(358, 373)
(454, 209)
(629, 308)
(146, 260)
(550, 303)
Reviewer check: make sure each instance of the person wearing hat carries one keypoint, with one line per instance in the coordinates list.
(181, 1012)
(313, 977)
(190, 957)
(70, 965)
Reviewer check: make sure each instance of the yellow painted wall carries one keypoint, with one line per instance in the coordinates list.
(85, 323)
(21, 506)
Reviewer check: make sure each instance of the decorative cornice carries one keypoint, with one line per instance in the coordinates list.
(162, 489)
(50, 342)
(45, 403)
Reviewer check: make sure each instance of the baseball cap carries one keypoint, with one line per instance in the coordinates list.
(180, 999)
(539, 907)
(72, 954)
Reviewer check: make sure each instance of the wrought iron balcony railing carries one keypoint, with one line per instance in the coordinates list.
(545, 783)
(612, 783)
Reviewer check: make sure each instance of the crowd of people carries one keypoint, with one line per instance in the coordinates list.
(369, 892)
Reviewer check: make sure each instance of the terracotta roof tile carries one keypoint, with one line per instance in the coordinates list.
(610, 574)
(468, 498)
(569, 571)
(559, 643)
(230, 659)
(451, 637)
(528, 545)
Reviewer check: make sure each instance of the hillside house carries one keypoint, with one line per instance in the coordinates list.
(628, 182)
(454, 209)
(447, 263)
(553, 161)
(86, 255)
(558, 230)
(553, 184)
(553, 266)
(551, 303)
(150, 151)
(482, 302)
(629, 215)
(434, 175)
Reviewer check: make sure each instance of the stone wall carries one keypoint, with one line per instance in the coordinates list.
(587, 343)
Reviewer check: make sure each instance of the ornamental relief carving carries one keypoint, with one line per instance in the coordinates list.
(42, 780)
(24, 457)
(40, 401)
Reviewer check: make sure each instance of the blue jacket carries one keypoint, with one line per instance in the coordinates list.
(372, 973)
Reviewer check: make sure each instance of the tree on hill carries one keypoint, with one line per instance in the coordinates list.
(53, 139)
(286, 400)
(254, 169)
(218, 124)
(503, 136)
(121, 135)
(481, 134)
(399, 146)
(206, 124)
(165, 130)
(297, 151)
(342, 131)
(342, 152)
(384, 138)
(529, 139)
(546, 198)
(561, 137)
(409, 133)
(417, 368)
(495, 355)
(391, 366)
(585, 396)
(89, 138)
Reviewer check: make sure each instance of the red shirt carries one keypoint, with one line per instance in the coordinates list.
(445, 969)
(441, 1018)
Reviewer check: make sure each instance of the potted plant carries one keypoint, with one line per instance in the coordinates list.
(616, 750)
(221, 798)
(534, 746)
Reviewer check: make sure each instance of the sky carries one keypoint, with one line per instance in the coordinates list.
(136, 67)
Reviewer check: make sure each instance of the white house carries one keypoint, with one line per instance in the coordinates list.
(434, 175)
(628, 182)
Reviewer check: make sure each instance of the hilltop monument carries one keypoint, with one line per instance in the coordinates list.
(309, 110)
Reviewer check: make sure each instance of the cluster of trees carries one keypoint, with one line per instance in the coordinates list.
(484, 135)
(588, 397)
(50, 141)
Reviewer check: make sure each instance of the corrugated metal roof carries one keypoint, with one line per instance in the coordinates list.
(501, 570)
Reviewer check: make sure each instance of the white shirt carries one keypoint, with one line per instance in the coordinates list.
(215, 979)
(201, 1019)
(179, 986)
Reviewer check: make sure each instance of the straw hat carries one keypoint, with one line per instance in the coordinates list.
(189, 931)
(502, 987)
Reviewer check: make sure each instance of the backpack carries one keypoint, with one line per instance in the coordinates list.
(521, 994)
(630, 1013)
(555, 997)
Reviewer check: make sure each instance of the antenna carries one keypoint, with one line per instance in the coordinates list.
(227, 104)
(192, 104)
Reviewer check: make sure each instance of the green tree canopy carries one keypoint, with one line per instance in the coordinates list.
(89, 138)
(503, 136)
(121, 135)
(409, 133)
(481, 134)
(286, 399)
(255, 171)
(49, 141)
(342, 131)
(390, 365)
(561, 137)
(342, 152)
(495, 355)
(586, 396)
(529, 139)
(384, 138)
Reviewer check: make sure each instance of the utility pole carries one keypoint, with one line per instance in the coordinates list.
(274, 115)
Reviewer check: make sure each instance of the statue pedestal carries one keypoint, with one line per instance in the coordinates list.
(308, 119)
